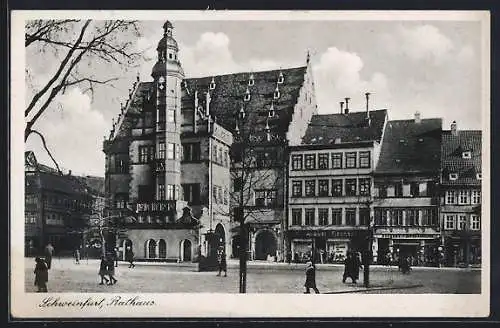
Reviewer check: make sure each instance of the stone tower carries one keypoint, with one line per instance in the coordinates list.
(168, 75)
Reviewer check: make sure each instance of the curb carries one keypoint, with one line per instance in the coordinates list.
(373, 288)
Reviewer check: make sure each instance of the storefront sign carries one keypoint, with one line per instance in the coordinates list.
(406, 236)
(157, 206)
(325, 234)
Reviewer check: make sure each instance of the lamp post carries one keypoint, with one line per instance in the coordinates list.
(240, 131)
(368, 254)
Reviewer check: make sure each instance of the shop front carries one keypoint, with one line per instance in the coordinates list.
(422, 250)
(462, 251)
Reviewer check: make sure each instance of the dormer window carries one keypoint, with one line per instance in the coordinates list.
(251, 80)
(271, 110)
(212, 84)
(478, 176)
(281, 78)
(247, 95)
(466, 155)
(453, 176)
(276, 93)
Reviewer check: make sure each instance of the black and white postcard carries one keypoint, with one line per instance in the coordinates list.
(250, 164)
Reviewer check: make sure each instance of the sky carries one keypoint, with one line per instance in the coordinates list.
(433, 67)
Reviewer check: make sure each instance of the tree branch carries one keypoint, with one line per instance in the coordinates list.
(46, 148)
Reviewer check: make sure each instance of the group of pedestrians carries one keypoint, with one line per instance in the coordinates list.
(107, 268)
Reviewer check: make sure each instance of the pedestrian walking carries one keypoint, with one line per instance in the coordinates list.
(49, 252)
(77, 255)
(221, 260)
(405, 264)
(352, 264)
(115, 256)
(129, 257)
(310, 278)
(111, 270)
(103, 271)
(41, 275)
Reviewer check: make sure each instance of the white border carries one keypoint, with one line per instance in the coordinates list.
(234, 305)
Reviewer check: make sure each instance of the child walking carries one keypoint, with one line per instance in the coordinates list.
(41, 275)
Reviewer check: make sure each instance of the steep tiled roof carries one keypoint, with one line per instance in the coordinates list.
(351, 127)
(61, 183)
(451, 157)
(95, 185)
(410, 147)
(228, 95)
(134, 107)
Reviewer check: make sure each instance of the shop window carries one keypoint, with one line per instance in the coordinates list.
(296, 188)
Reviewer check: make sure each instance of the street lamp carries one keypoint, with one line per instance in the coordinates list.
(240, 129)
(368, 254)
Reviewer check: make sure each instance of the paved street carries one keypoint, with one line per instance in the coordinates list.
(66, 276)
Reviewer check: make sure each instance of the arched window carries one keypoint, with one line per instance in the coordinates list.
(162, 249)
(150, 249)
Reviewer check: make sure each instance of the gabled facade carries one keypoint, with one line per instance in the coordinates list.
(461, 196)
(406, 198)
(173, 157)
(330, 185)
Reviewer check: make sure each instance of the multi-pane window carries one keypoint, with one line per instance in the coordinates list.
(296, 162)
(171, 192)
(336, 160)
(414, 189)
(350, 216)
(364, 216)
(191, 193)
(462, 221)
(310, 161)
(226, 197)
(397, 217)
(310, 188)
(364, 159)
(226, 159)
(161, 191)
(265, 198)
(161, 150)
(364, 187)
(451, 197)
(350, 160)
(476, 197)
(449, 222)
(221, 156)
(323, 216)
(170, 151)
(412, 217)
(323, 188)
(323, 161)
(475, 222)
(337, 187)
(382, 191)
(350, 187)
(425, 217)
(297, 216)
(215, 194)
(463, 197)
(296, 188)
(336, 216)
(191, 152)
(309, 216)
(143, 154)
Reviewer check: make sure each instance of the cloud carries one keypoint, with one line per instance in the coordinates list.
(338, 75)
(74, 132)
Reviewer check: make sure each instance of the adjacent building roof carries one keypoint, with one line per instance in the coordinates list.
(61, 183)
(94, 185)
(411, 147)
(345, 128)
(453, 161)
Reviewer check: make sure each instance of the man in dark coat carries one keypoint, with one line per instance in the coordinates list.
(41, 275)
(221, 260)
(348, 264)
(111, 270)
(49, 252)
(310, 278)
(129, 257)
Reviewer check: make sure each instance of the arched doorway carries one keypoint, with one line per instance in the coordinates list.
(150, 249)
(127, 246)
(236, 246)
(186, 251)
(265, 244)
(162, 249)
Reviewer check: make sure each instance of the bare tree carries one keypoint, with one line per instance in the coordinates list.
(78, 48)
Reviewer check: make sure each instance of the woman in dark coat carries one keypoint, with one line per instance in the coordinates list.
(356, 265)
(103, 270)
(348, 265)
(41, 275)
(129, 257)
(310, 278)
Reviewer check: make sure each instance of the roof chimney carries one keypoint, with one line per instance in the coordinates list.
(453, 127)
(417, 117)
(346, 111)
(367, 95)
(341, 107)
